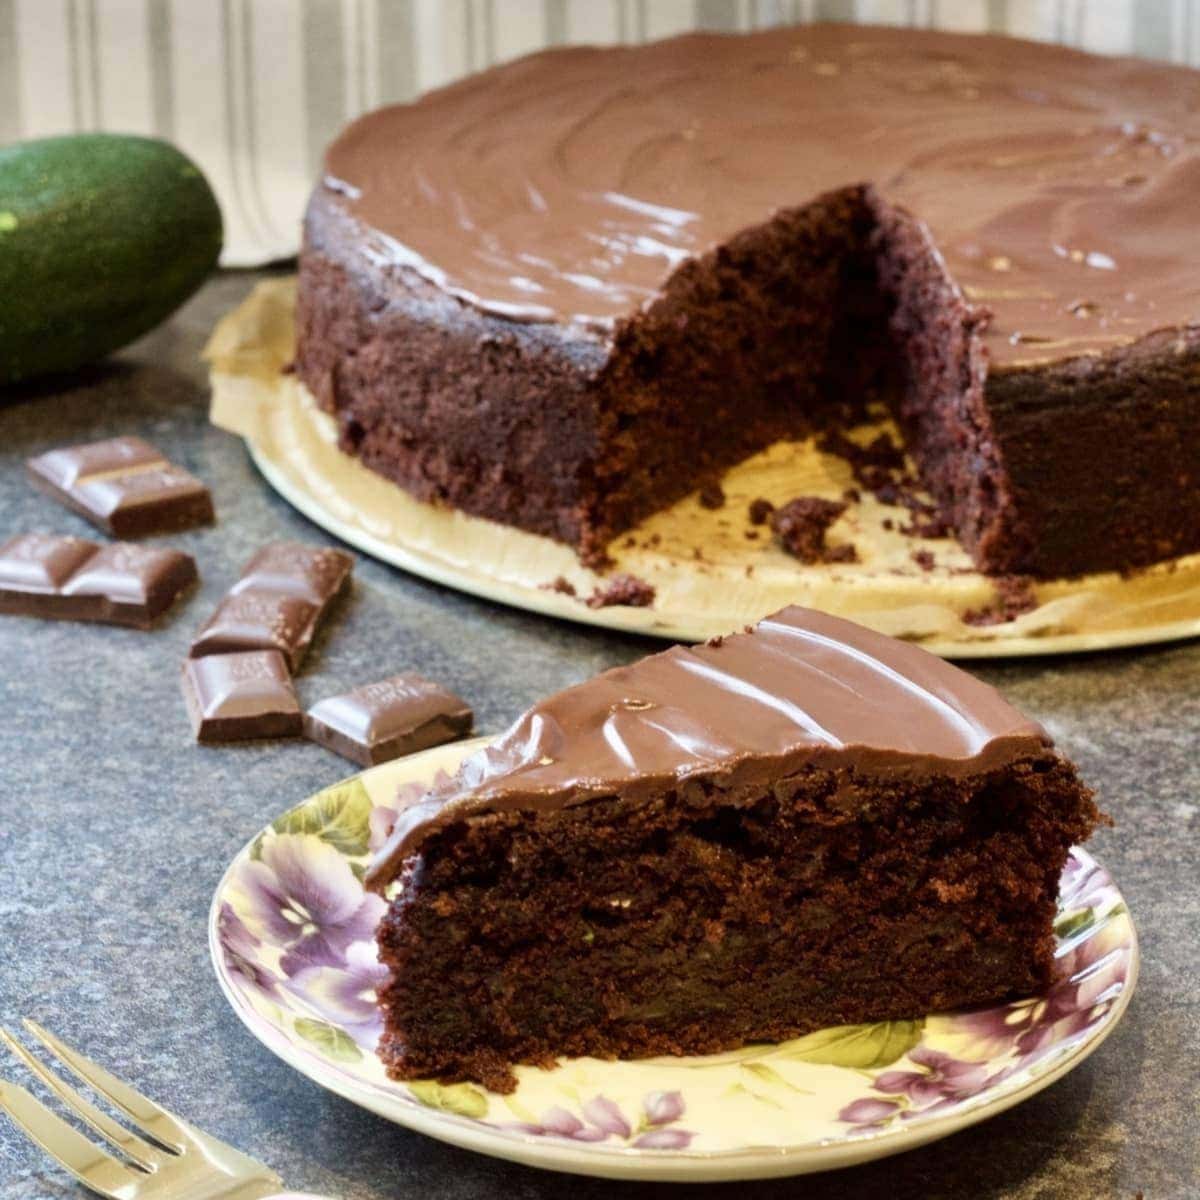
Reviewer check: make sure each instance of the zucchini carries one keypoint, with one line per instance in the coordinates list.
(102, 236)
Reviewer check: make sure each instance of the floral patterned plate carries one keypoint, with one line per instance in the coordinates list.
(291, 933)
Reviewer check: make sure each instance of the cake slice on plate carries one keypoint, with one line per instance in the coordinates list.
(806, 824)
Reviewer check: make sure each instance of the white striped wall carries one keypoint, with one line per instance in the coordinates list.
(253, 89)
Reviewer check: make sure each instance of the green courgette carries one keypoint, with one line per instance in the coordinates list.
(102, 236)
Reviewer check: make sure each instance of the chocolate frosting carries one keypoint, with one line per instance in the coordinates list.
(801, 688)
(1059, 187)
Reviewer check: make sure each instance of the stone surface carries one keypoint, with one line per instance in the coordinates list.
(115, 828)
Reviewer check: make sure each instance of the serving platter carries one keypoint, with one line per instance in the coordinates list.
(291, 933)
(712, 571)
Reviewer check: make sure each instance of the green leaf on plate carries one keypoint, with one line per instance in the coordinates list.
(462, 1098)
(334, 1043)
(519, 1110)
(339, 815)
(862, 1047)
(770, 1075)
(1073, 922)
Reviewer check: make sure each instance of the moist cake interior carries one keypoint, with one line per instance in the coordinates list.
(707, 920)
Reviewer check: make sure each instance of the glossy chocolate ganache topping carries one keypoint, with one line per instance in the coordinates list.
(1059, 187)
(800, 688)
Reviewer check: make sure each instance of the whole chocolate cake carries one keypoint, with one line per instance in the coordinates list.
(565, 292)
(807, 824)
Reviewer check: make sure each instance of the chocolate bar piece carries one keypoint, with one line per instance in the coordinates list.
(123, 486)
(235, 697)
(313, 573)
(386, 720)
(73, 579)
(276, 604)
(259, 621)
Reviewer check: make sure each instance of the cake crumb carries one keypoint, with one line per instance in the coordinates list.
(926, 521)
(760, 511)
(628, 590)
(924, 559)
(802, 525)
(880, 467)
(751, 535)
(712, 495)
(1014, 596)
(562, 585)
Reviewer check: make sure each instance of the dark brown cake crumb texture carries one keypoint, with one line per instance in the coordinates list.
(561, 585)
(622, 589)
(760, 511)
(1014, 596)
(704, 919)
(802, 525)
(881, 469)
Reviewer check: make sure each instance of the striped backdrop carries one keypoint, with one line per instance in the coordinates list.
(253, 89)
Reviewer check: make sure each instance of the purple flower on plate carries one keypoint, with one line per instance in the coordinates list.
(1090, 976)
(379, 826)
(1084, 884)
(869, 1113)
(1074, 1004)
(304, 898)
(662, 1108)
(605, 1115)
(346, 996)
(241, 949)
(557, 1120)
(605, 1120)
(664, 1139)
(943, 1078)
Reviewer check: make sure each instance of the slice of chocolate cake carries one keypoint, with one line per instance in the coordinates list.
(804, 825)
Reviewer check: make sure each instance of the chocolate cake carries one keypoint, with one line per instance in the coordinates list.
(803, 825)
(567, 291)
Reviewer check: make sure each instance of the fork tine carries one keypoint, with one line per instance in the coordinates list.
(93, 1167)
(126, 1141)
(161, 1125)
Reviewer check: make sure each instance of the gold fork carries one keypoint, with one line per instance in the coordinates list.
(172, 1161)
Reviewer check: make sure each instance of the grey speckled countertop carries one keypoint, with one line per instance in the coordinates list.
(115, 827)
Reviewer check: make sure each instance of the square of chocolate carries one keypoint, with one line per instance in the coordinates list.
(73, 579)
(123, 486)
(313, 573)
(385, 720)
(236, 697)
(40, 563)
(259, 621)
(125, 584)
